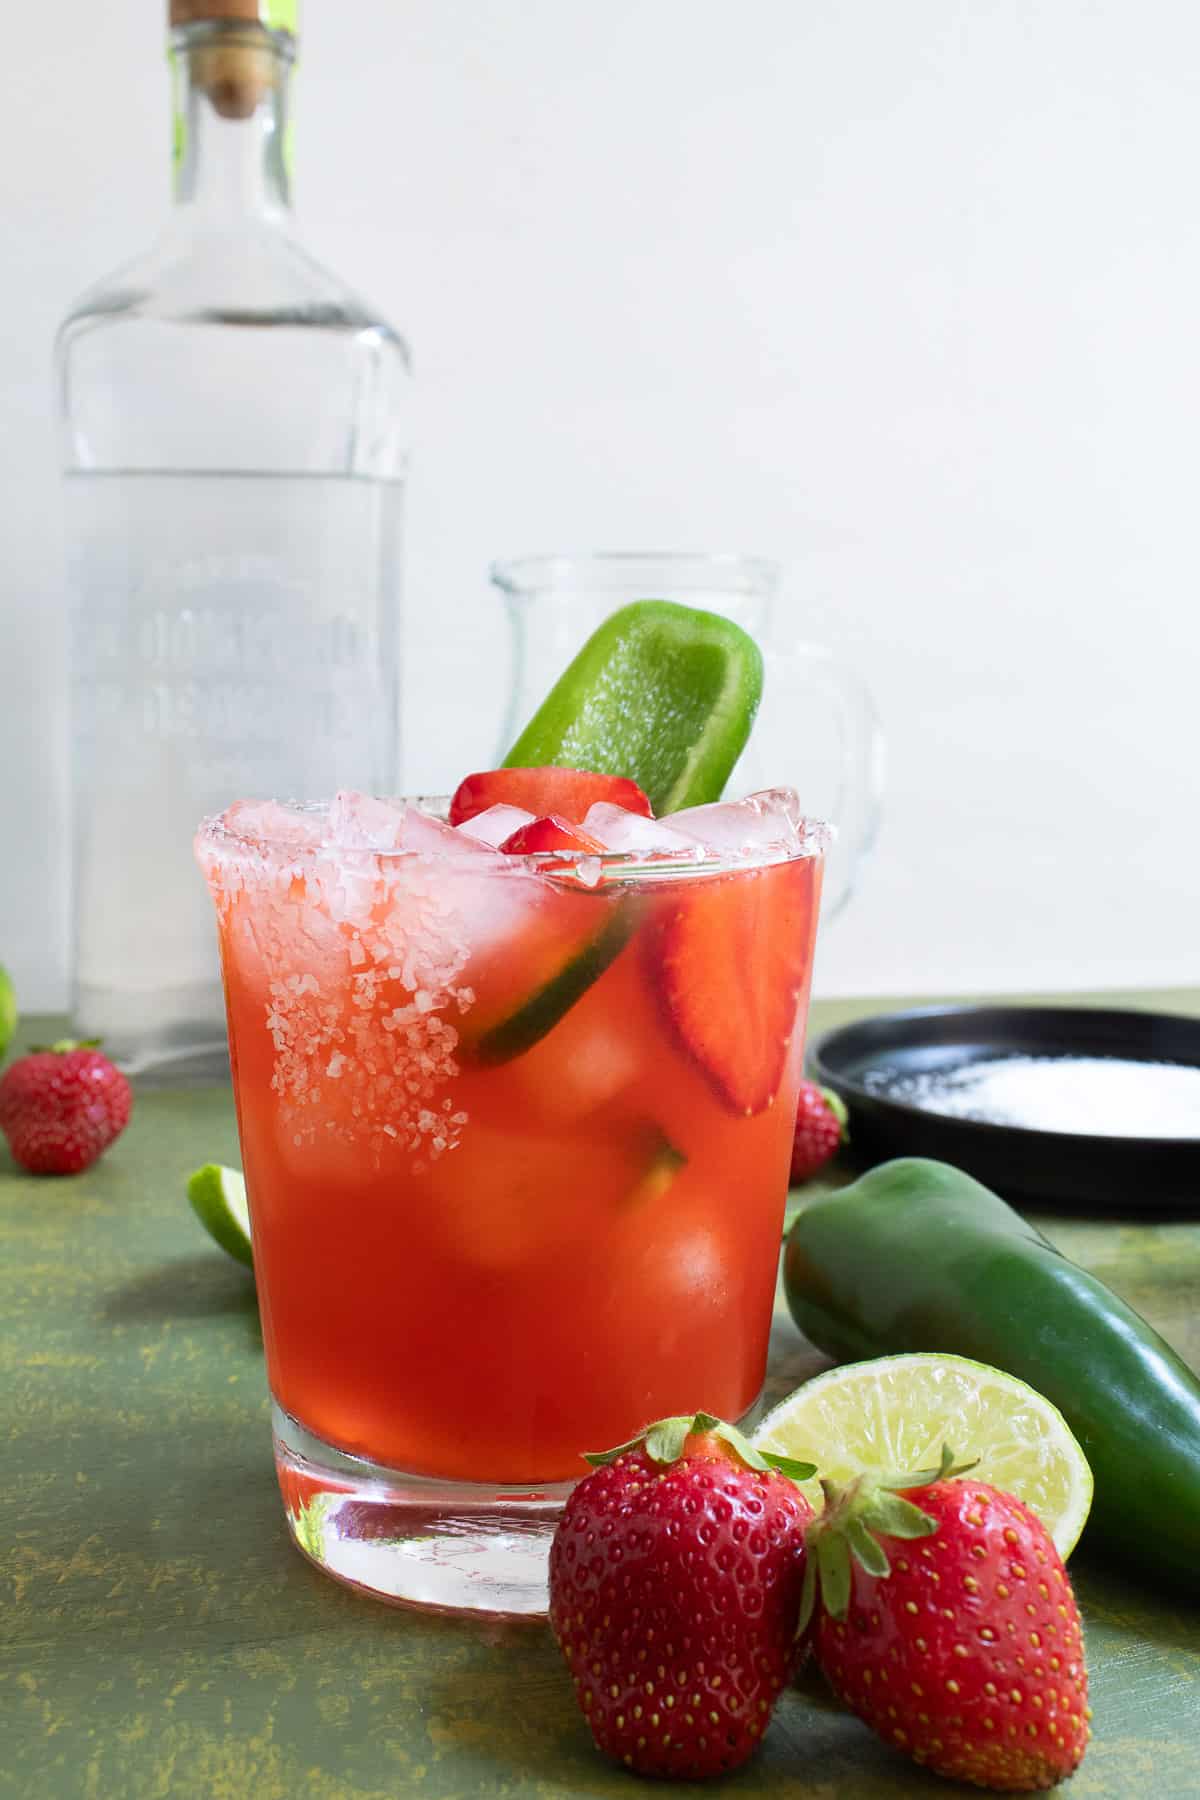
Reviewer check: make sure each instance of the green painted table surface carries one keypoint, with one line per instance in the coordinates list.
(161, 1638)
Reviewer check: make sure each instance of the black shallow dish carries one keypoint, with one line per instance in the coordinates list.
(1048, 1168)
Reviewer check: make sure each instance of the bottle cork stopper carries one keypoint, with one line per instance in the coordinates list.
(234, 71)
(276, 15)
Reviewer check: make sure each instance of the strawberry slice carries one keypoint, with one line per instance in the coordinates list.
(730, 960)
(548, 834)
(566, 793)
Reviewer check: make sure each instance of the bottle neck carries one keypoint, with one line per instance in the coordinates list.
(231, 120)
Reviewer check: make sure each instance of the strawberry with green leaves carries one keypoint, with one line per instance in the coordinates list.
(675, 1581)
(946, 1621)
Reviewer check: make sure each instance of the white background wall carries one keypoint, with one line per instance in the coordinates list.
(907, 296)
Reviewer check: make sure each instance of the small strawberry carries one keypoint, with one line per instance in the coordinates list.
(61, 1108)
(963, 1650)
(675, 1580)
(820, 1129)
(568, 792)
(551, 834)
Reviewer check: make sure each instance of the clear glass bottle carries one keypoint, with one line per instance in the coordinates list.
(235, 427)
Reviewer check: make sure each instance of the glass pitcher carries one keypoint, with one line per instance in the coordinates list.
(817, 729)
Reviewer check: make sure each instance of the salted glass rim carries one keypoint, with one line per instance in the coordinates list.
(815, 834)
(703, 570)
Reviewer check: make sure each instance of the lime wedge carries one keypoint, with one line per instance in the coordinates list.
(541, 1010)
(896, 1412)
(218, 1197)
(660, 693)
(8, 1010)
(666, 1163)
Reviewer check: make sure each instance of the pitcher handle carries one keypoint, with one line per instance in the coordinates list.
(857, 806)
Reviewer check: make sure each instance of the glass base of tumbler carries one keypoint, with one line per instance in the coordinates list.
(447, 1546)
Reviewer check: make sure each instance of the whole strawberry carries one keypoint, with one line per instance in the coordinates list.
(947, 1622)
(675, 1580)
(60, 1108)
(820, 1128)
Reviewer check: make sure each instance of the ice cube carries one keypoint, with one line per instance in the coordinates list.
(763, 822)
(696, 1272)
(269, 822)
(495, 824)
(401, 859)
(493, 906)
(493, 1198)
(628, 833)
(433, 837)
(588, 1059)
(363, 822)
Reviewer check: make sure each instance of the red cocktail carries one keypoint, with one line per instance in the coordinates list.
(516, 1133)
